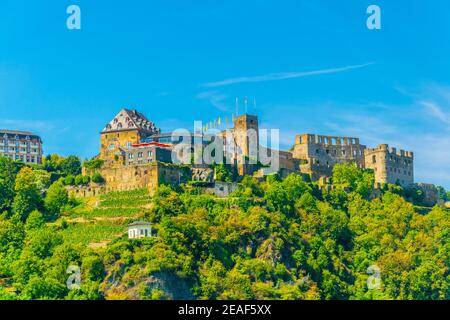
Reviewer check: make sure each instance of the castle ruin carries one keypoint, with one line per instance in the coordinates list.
(137, 155)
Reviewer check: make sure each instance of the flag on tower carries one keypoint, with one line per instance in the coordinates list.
(245, 104)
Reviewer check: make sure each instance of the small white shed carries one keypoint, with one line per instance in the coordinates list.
(139, 229)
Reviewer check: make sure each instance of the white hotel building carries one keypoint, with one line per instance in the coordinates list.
(21, 146)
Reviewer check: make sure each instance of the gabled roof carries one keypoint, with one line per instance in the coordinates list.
(128, 119)
(139, 223)
(16, 132)
(12, 134)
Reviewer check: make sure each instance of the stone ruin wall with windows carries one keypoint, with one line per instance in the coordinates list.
(318, 154)
(390, 165)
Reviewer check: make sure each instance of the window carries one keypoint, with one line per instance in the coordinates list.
(374, 159)
(146, 232)
(140, 154)
(130, 156)
(142, 232)
(150, 153)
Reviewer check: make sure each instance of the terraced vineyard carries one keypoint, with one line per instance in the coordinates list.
(98, 220)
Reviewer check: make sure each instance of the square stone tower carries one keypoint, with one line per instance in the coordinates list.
(246, 138)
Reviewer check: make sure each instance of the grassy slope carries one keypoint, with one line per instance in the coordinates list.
(98, 220)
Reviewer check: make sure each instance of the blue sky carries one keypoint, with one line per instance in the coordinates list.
(313, 66)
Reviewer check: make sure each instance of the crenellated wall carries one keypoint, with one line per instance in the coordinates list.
(318, 154)
(390, 165)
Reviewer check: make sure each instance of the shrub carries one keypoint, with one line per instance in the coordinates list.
(97, 178)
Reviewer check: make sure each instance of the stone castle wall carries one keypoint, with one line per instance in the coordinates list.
(110, 143)
(390, 166)
(85, 191)
(318, 154)
(143, 176)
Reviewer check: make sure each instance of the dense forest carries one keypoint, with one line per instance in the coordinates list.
(272, 239)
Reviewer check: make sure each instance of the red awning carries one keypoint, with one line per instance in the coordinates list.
(154, 143)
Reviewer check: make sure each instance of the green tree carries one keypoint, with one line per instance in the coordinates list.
(52, 163)
(79, 180)
(56, 199)
(442, 193)
(223, 173)
(93, 164)
(70, 166)
(27, 197)
(7, 180)
(43, 179)
(35, 220)
(93, 268)
(69, 180)
(352, 178)
(97, 178)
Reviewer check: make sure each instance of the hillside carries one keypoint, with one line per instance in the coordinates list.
(274, 239)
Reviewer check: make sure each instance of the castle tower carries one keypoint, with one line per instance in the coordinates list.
(128, 127)
(246, 129)
(247, 141)
(390, 166)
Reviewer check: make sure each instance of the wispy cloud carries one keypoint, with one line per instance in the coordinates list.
(20, 124)
(433, 99)
(283, 75)
(436, 111)
(216, 98)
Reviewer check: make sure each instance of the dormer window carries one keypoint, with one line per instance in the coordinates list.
(119, 125)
